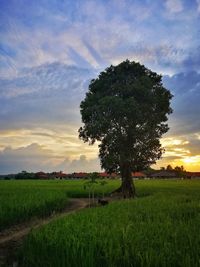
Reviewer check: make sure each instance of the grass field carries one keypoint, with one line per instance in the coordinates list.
(159, 228)
(21, 200)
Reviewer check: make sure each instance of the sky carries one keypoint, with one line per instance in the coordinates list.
(51, 49)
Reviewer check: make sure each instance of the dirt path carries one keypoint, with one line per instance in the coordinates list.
(11, 239)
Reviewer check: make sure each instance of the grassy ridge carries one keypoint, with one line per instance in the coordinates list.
(161, 229)
(21, 200)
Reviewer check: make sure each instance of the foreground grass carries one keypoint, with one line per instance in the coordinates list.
(21, 200)
(20, 203)
(161, 229)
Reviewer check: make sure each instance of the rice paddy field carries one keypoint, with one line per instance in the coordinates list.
(161, 227)
(22, 200)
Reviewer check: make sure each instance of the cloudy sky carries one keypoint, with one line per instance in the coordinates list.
(49, 51)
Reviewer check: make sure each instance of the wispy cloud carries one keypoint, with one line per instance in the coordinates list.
(50, 50)
(174, 6)
(47, 80)
(198, 5)
(72, 34)
(186, 90)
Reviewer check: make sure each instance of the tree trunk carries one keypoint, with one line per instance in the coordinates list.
(93, 196)
(127, 186)
(89, 198)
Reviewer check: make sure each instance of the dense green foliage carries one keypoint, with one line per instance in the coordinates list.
(159, 229)
(24, 175)
(126, 109)
(21, 200)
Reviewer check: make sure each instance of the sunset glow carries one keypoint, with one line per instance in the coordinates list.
(48, 55)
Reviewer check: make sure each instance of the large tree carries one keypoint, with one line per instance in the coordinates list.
(126, 110)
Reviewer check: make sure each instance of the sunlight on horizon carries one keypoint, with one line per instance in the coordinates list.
(50, 51)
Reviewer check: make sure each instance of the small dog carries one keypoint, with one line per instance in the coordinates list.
(103, 202)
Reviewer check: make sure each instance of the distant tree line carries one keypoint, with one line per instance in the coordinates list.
(24, 175)
(179, 170)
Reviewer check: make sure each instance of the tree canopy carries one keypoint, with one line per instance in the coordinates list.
(126, 109)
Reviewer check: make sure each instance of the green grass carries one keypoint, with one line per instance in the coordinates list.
(161, 228)
(22, 200)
